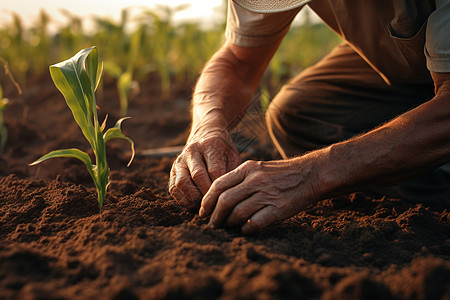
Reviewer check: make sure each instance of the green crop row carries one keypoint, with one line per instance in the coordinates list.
(151, 42)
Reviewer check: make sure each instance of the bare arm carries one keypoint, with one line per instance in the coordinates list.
(413, 142)
(222, 95)
(258, 193)
(226, 86)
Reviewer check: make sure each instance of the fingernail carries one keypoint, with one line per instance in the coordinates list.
(202, 212)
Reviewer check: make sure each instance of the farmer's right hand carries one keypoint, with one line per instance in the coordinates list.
(203, 160)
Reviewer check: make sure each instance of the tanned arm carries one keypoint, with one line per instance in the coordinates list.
(414, 142)
(221, 97)
(256, 194)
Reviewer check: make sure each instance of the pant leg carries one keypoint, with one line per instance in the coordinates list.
(339, 97)
(335, 99)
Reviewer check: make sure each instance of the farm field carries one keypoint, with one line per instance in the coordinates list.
(55, 244)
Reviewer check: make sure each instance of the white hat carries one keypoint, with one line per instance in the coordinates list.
(270, 6)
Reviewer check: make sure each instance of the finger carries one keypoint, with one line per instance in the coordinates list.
(245, 209)
(172, 179)
(220, 185)
(260, 219)
(216, 164)
(184, 184)
(198, 172)
(180, 197)
(228, 200)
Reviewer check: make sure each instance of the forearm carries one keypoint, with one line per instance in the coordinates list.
(220, 95)
(414, 142)
(226, 86)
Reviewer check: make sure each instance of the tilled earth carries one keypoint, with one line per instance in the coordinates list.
(55, 244)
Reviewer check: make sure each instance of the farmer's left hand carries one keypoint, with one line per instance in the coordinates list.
(257, 193)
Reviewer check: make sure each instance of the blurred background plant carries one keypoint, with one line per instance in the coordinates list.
(150, 43)
(4, 102)
(3, 131)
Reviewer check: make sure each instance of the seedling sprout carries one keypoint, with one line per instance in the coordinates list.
(77, 79)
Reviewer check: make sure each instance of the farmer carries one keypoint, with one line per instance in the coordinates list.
(374, 114)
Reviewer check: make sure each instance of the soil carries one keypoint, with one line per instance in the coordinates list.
(55, 244)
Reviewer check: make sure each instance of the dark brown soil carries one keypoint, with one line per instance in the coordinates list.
(54, 243)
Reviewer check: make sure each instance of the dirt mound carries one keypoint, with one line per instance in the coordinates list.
(56, 244)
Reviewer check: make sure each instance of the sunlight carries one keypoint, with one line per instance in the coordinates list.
(28, 10)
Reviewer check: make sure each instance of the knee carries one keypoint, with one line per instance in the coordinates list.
(277, 124)
(273, 115)
(276, 111)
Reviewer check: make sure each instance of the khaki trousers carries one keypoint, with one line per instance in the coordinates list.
(342, 96)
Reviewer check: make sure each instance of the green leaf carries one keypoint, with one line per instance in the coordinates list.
(112, 69)
(3, 130)
(3, 104)
(116, 133)
(3, 137)
(77, 78)
(103, 126)
(92, 67)
(124, 86)
(70, 153)
(75, 83)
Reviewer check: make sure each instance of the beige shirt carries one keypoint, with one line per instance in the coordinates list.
(401, 40)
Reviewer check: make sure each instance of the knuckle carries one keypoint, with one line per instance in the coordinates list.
(218, 184)
(198, 174)
(181, 183)
(208, 141)
(173, 168)
(171, 183)
(248, 164)
(225, 201)
(172, 191)
(190, 149)
(180, 161)
(252, 164)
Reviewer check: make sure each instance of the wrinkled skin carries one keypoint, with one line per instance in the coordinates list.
(201, 162)
(255, 194)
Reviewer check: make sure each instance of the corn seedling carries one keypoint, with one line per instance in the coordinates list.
(3, 130)
(125, 82)
(77, 79)
(164, 34)
(4, 104)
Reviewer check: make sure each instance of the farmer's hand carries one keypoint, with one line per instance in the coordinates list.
(257, 193)
(203, 160)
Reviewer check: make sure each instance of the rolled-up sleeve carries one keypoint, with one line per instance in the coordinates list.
(437, 46)
(249, 29)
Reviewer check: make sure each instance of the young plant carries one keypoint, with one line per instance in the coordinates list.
(3, 131)
(125, 83)
(4, 102)
(77, 79)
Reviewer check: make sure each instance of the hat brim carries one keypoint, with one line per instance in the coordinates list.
(270, 6)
